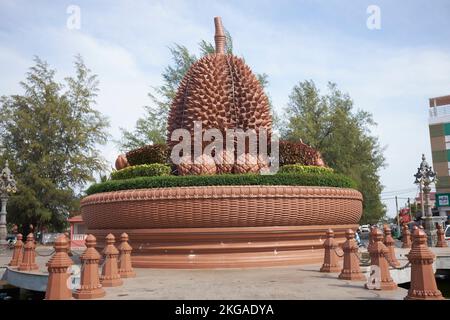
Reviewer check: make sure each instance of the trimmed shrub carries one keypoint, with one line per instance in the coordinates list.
(289, 179)
(142, 170)
(298, 168)
(297, 153)
(156, 153)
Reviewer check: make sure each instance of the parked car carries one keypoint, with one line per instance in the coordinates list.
(11, 239)
(49, 238)
(447, 233)
(364, 228)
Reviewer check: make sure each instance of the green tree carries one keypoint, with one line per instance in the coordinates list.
(152, 127)
(49, 134)
(329, 123)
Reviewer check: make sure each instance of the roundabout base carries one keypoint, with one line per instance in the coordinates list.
(232, 247)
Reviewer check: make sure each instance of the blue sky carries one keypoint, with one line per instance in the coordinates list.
(390, 72)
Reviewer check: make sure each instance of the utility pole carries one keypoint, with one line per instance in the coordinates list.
(422, 204)
(409, 206)
(398, 216)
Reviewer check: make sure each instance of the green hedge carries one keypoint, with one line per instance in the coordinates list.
(298, 168)
(142, 170)
(303, 179)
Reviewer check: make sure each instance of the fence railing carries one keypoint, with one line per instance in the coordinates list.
(79, 237)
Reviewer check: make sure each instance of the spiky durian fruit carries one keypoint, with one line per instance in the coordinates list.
(221, 92)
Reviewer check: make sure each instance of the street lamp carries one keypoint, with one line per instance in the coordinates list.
(7, 186)
(424, 177)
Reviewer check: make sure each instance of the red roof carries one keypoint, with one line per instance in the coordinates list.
(75, 219)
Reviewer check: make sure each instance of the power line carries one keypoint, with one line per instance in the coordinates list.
(400, 191)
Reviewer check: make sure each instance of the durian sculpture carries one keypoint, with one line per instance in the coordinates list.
(221, 92)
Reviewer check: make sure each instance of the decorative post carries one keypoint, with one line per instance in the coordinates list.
(29, 256)
(125, 268)
(406, 237)
(351, 270)
(58, 285)
(7, 186)
(423, 284)
(371, 241)
(17, 256)
(441, 242)
(379, 254)
(90, 287)
(331, 259)
(389, 242)
(424, 177)
(110, 273)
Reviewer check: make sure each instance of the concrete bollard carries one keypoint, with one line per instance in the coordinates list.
(17, 256)
(370, 237)
(423, 284)
(58, 278)
(351, 270)
(389, 242)
(441, 242)
(125, 267)
(378, 257)
(331, 259)
(406, 237)
(69, 247)
(412, 235)
(90, 287)
(110, 272)
(29, 255)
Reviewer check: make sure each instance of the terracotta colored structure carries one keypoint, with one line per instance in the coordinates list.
(110, 273)
(77, 232)
(17, 256)
(331, 259)
(230, 226)
(125, 268)
(29, 255)
(223, 226)
(121, 162)
(423, 284)
(441, 242)
(406, 237)
(222, 92)
(351, 270)
(389, 242)
(58, 277)
(378, 257)
(90, 287)
(412, 235)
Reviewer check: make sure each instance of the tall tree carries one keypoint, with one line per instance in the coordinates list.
(329, 123)
(50, 135)
(152, 127)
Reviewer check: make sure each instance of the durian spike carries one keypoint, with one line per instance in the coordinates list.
(219, 36)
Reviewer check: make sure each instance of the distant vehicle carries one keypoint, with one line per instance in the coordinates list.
(11, 240)
(447, 233)
(49, 238)
(364, 228)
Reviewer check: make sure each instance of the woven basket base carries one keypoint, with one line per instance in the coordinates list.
(232, 247)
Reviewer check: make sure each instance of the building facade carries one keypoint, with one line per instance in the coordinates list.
(439, 125)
